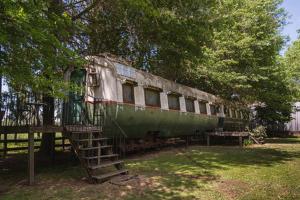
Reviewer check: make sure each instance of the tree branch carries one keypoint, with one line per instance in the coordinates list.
(93, 5)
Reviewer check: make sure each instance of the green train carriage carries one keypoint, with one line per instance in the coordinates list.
(143, 105)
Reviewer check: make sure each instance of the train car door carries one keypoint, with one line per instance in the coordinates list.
(76, 108)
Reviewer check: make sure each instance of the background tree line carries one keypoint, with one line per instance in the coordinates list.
(225, 47)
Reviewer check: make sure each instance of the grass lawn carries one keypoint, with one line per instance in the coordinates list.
(24, 136)
(270, 171)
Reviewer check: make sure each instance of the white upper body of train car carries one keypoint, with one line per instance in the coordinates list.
(139, 97)
(112, 74)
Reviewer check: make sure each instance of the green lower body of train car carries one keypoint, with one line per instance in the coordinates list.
(233, 124)
(139, 122)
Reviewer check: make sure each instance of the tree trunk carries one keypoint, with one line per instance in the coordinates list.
(48, 139)
(0, 86)
(1, 111)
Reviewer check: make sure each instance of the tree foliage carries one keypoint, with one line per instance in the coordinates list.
(224, 47)
(160, 36)
(291, 63)
(35, 38)
(245, 45)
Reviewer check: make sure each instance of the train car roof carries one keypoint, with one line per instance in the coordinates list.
(125, 71)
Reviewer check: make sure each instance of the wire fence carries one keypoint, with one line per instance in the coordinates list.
(26, 110)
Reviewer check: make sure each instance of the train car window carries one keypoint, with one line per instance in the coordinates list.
(152, 97)
(237, 114)
(128, 93)
(240, 114)
(247, 115)
(190, 106)
(233, 113)
(173, 101)
(213, 109)
(202, 106)
(226, 111)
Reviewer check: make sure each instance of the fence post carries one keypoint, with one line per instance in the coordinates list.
(5, 145)
(241, 141)
(31, 158)
(63, 142)
(208, 140)
(0, 138)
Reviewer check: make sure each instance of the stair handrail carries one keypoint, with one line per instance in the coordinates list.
(254, 139)
(120, 128)
(119, 138)
(113, 120)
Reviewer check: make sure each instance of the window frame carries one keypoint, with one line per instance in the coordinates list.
(241, 114)
(154, 90)
(205, 104)
(215, 109)
(226, 111)
(192, 99)
(246, 115)
(132, 85)
(233, 113)
(178, 100)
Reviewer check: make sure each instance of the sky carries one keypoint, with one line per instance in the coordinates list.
(293, 9)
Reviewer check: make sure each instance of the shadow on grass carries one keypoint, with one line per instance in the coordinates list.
(13, 170)
(178, 173)
(183, 172)
(211, 158)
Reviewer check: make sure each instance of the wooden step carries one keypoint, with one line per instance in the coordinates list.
(92, 139)
(72, 128)
(102, 156)
(106, 164)
(86, 131)
(104, 177)
(93, 148)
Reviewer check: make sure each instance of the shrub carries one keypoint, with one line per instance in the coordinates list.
(248, 142)
(259, 132)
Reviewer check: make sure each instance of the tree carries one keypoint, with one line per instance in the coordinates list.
(35, 45)
(223, 47)
(36, 40)
(291, 62)
(244, 46)
(160, 36)
(244, 58)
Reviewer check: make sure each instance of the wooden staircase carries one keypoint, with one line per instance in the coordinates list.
(257, 140)
(95, 152)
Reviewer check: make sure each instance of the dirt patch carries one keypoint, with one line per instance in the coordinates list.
(122, 186)
(116, 188)
(3, 189)
(232, 189)
(199, 177)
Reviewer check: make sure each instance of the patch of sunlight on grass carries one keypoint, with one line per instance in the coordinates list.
(197, 172)
(270, 171)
